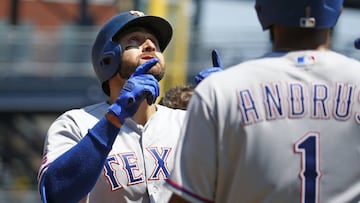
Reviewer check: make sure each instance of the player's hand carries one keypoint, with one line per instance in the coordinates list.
(138, 87)
(217, 66)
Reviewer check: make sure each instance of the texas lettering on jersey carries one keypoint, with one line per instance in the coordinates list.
(130, 167)
(295, 100)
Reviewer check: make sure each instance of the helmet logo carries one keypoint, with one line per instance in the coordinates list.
(138, 13)
(307, 22)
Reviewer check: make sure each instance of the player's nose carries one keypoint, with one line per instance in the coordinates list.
(148, 46)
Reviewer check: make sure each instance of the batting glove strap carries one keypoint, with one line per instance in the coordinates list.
(117, 110)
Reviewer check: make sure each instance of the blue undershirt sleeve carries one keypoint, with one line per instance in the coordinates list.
(72, 175)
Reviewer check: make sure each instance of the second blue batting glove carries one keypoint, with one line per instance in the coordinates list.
(217, 66)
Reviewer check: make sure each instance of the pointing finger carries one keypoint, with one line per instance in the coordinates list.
(216, 58)
(145, 67)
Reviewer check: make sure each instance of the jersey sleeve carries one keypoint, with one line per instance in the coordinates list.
(197, 144)
(61, 136)
(84, 158)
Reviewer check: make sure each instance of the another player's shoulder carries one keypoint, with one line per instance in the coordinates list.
(281, 60)
(344, 59)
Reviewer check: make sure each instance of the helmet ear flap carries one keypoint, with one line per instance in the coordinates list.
(110, 58)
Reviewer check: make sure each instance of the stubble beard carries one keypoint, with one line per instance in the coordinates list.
(126, 72)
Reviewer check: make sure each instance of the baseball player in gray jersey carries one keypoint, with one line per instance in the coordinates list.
(281, 128)
(121, 150)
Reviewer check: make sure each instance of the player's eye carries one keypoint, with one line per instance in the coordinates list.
(133, 39)
(132, 42)
(131, 47)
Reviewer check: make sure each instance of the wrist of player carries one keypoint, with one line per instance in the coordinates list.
(116, 111)
(113, 119)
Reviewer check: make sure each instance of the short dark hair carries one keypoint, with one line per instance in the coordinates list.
(178, 97)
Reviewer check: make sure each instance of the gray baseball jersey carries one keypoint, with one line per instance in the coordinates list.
(140, 160)
(283, 128)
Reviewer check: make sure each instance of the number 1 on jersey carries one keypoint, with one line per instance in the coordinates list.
(310, 173)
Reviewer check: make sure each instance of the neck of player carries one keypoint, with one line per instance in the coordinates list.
(294, 39)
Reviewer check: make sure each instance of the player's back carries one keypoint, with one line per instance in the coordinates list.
(290, 123)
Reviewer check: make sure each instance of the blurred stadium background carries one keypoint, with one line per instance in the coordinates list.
(45, 64)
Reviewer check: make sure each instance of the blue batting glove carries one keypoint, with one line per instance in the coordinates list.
(217, 66)
(138, 87)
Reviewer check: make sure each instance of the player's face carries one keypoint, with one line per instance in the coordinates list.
(138, 46)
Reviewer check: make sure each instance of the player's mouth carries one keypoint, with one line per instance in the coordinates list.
(147, 57)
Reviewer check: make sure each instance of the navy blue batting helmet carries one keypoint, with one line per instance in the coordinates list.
(298, 13)
(106, 53)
